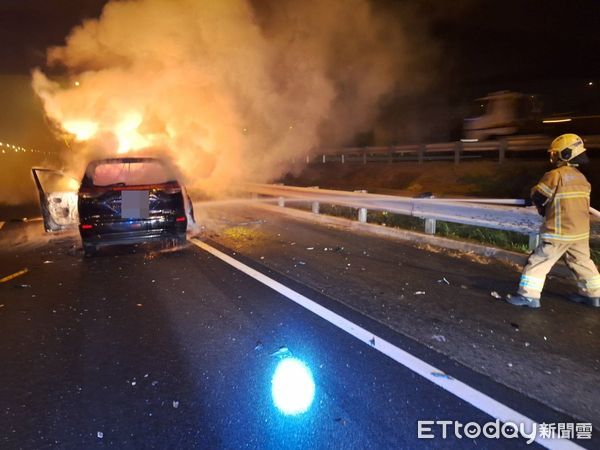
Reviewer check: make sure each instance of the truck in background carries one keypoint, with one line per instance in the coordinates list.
(506, 113)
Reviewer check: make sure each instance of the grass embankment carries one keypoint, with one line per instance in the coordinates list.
(513, 179)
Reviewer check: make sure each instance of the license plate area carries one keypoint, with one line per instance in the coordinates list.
(135, 204)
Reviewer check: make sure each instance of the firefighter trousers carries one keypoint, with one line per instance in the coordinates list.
(547, 253)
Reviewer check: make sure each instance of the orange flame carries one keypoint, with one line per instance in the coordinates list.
(226, 94)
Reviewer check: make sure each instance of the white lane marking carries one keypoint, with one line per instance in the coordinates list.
(463, 391)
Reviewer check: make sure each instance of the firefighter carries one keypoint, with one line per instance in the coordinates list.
(562, 197)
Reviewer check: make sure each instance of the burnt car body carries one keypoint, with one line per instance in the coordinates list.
(120, 201)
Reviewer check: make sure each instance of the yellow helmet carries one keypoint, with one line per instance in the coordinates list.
(566, 147)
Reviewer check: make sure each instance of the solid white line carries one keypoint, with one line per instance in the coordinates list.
(463, 391)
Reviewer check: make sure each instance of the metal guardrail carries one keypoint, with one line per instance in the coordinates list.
(500, 214)
(457, 151)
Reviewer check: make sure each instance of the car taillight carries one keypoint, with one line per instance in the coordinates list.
(180, 219)
(86, 226)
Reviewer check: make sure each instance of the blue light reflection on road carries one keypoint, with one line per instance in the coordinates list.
(292, 387)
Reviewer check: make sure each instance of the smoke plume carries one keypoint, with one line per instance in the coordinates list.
(229, 90)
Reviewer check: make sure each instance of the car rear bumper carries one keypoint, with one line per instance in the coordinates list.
(131, 238)
(130, 232)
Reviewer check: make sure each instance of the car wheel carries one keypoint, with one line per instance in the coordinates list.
(174, 242)
(89, 250)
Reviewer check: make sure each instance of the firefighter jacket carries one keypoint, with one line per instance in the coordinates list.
(567, 204)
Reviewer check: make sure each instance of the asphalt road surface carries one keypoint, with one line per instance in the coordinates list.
(174, 349)
(444, 300)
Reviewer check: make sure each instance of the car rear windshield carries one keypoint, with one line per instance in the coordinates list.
(130, 173)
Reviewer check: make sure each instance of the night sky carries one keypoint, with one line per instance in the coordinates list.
(540, 46)
(493, 41)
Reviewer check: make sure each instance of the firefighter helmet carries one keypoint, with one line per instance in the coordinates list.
(566, 147)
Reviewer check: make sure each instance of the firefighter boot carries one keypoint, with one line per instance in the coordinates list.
(590, 301)
(521, 300)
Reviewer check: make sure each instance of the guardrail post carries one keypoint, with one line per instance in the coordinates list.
(502, 150)
(534, 240)
(457, 151)
(430, 225)
(343, 159)
(391, 155)
(362, 212)
(362, 215)
(281, 202)
(324, 159)
(364, 155)
(307, 159)
(421, 153)
(315, 206)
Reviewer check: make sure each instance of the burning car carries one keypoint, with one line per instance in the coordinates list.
(119, 201)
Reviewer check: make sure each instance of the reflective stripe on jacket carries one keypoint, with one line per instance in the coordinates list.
(567, 215)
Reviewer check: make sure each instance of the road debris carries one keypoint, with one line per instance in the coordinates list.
(150, 256)
(495, 295)
(439, 337)
(100, 434)
(420, 293)
(23, 286)
(48, 262)
(175, 404)
(443, 280)
(283, 352)
(258, 346)
(515, 326)
(14, 275)
(310, 248)
(372, 341)
(442, 375)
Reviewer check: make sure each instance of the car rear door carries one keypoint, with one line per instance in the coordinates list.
(58, 198)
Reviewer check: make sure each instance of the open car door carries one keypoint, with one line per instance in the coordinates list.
(58, 198)
(189, 210)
